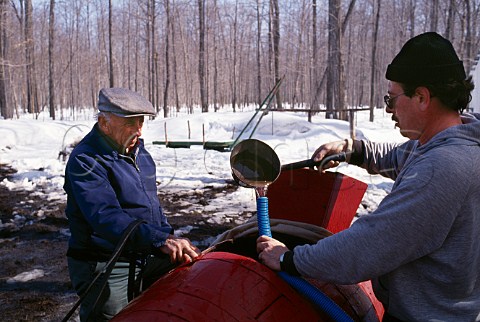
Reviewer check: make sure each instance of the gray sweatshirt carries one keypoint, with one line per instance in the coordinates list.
(421, 247)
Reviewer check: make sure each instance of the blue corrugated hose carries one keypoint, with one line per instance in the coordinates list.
(302, 286)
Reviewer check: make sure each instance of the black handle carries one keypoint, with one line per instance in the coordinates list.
(309, 163)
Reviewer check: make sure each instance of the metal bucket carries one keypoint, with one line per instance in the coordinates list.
(255, 164)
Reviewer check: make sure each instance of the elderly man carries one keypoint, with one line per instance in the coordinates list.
(110, 183)
(421, 247)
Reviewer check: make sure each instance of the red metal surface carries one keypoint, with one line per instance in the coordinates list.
(223, 286)
(368, 290)
(329, 200)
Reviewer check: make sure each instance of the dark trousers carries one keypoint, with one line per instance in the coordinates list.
(155, 267)
(115, 295)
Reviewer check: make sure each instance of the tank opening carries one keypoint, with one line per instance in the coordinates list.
(246, 245)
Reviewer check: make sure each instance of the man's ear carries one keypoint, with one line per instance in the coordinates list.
(103, 123)
(423, 96)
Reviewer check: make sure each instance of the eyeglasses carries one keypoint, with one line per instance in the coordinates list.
(389, 100)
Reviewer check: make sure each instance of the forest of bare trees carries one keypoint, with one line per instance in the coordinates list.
(55, 55)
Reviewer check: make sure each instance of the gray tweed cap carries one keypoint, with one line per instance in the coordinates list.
(123, 102)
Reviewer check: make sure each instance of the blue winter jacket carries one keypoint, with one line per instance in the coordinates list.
(106, 191)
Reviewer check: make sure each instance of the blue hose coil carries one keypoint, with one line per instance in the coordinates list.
(316, 297)
(263, 219)
(303, 287)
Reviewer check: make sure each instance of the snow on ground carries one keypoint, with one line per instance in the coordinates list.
(26, 276)
(33, 147)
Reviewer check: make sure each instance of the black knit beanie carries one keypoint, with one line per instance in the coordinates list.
(425, 59)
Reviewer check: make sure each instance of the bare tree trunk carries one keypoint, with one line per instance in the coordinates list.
(71, 67)
(433, 15)
(314, 61)
(412, 17)
(259, 65)
(342, 99)
(326, 71)
(110, 42)
(450, 20)
(51, 69)
(174, 56)
(296, 92)
(187, 81)
(148, 51)
(78, 83)
(468, 34)
(201, 54)
(215, 62)
(234, 73)
(137, 53)
(270, 42)
(32, 102)
(129, 49)
(276, 48)
(374, 58)
(334, 62)
(351, 6)
(167, 59)
(6, 110)
(154, 59)
(92, 79)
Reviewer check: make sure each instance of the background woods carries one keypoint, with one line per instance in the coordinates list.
(56, 54)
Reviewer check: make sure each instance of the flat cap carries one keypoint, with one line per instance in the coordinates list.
(124, 102)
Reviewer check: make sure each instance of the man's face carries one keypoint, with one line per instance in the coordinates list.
(125, 131)
(404, 111)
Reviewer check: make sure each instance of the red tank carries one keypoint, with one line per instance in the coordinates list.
(223, 286)
(229, 284)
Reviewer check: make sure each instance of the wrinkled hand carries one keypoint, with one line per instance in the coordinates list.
(269, 250)
(179, 249)
(331, 148)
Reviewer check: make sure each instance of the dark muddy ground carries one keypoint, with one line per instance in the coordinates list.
(34, 235)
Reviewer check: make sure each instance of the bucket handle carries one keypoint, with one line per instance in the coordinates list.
(310, 163)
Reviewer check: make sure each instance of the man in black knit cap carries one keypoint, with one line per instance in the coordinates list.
(421, 247)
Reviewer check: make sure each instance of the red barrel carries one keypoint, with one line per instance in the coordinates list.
(222, 286)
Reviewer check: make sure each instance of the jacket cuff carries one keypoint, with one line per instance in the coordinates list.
(159, 244)
(287, 265)
(357, 157)
(161, 239)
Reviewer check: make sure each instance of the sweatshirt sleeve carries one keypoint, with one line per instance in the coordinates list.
(412, 221)
(386, 159)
